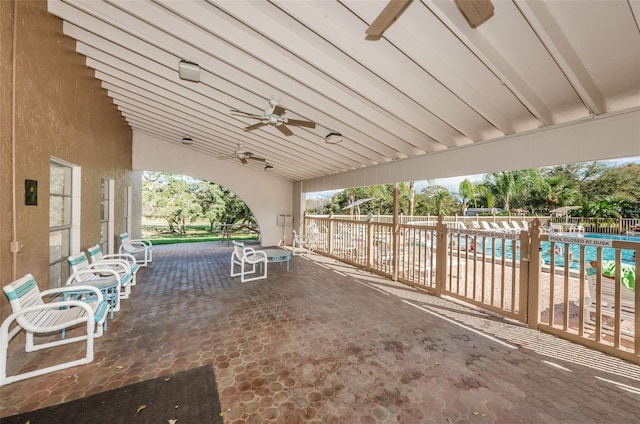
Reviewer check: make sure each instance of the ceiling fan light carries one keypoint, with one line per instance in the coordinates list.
(187, 140)
(268, 167)
(189, 71)
(333, 138)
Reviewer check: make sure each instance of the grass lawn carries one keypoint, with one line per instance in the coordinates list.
(158, 232)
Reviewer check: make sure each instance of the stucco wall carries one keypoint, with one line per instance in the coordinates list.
(62, 112)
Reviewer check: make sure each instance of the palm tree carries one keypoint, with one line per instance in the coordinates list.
(467, 192)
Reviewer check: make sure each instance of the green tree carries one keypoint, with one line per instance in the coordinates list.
(437, 200)
(236, 210)
(169, 197)
(212, 202)
(511, 185)
(622, 183)
(467, 192)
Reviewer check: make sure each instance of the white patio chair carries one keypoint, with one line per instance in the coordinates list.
(486, 226)
(301, 242)
(35, 316)
(517, 226)
(102, 277)
(495, 226)
(136, 247)
(114, 260)
(511, 227)
(246, 258)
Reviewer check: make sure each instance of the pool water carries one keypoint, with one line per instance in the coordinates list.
(574, 250)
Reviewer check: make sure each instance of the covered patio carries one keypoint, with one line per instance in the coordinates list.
(327, 342)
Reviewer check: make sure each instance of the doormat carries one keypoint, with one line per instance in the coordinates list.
(187, 397)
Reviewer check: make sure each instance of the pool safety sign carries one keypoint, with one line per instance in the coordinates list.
(486, 233)
(582, 240)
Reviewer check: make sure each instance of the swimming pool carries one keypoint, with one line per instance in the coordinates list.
(574, 249)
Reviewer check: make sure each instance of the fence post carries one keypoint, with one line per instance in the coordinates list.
(370, 244)
(303, 223)
(396, 234)
(533, 281)
(525, 264)
(330, 235)
(441, 255)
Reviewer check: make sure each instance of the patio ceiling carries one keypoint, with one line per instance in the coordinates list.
(430, 83)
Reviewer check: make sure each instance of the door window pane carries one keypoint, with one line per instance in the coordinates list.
(59, 248)
(59, 211)
(59, 222)
(60, 180)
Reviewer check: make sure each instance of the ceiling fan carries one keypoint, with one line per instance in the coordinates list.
(476, 12)
(243, 155)
(273, 115)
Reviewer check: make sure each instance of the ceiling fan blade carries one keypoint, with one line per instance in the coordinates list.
(256, 158)
(299, 123)
(243, 160)
(279, 110)
(476, 12)
(284, 130)
(389, 14)
(254, 126)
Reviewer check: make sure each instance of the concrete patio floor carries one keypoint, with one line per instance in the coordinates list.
(328, 343)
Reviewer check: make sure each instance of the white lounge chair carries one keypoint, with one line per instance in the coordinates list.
(506, 226)
(486, 226)
(511, 226)
(517, 226)
(247, 259)
(35, 316)
(495, 226)
(136, 247)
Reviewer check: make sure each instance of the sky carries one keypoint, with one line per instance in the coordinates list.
(452, 184)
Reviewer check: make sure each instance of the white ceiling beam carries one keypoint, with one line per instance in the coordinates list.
(111, 85)
(296, 65)
(245, 71)
(291, 159)
(119, 68)
(391, 78)
(153, 36)
(421, 37)
(346, 80)
(482, 48)
(552, 36)
(105, 47)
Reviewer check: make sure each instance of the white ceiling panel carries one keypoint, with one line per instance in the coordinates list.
(428, 84)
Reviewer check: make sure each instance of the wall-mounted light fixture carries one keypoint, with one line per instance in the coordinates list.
(187, 140)
(268, 167)
(189, 71)
(333, 138)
